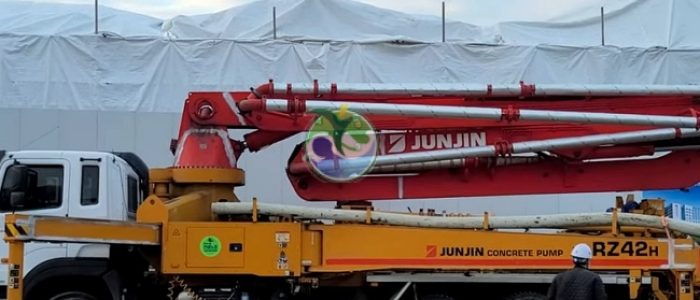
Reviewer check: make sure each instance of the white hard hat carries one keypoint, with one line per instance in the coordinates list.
(581, 251)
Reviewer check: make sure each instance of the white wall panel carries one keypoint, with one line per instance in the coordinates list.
(116, 131)
(77, 130)
(39, 129)
(9, 129)
(152, 135)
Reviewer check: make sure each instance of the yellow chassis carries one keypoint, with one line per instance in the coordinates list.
(192, 241)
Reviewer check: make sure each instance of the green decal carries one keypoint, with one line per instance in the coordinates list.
(210, 246)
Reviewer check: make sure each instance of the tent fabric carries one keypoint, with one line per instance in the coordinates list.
(328, 20)
(102, 73)
(628, 23)
(49, 57)
(651, 23)
(54, 19)
(640, 23)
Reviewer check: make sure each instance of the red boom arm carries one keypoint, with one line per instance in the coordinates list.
(538, 140)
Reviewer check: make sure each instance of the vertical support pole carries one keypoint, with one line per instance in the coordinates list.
(615, 230)
(443, 21)
(602, 25)
(15, 262)
(96, 29)
(255, 209)
(274, 22)
(485, 223)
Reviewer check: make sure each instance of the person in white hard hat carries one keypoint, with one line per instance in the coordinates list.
(578, 283)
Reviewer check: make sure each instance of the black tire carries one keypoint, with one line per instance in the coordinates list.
(72, 295)
(527, 296)
(87, 291)
(437, 297)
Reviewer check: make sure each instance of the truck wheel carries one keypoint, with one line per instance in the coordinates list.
(84, 291)
(73, 295)
(527, 296)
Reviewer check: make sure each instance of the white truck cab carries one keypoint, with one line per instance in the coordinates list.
(78, 184)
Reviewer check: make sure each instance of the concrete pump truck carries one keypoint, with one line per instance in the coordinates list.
(192, 237)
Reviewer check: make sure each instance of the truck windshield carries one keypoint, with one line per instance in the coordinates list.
(47, 193)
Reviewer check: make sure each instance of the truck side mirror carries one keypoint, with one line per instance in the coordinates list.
(17, 199)
(19, 180)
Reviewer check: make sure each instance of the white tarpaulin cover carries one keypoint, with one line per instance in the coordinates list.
(51, 59)
(628, 23)
(327, 20)
(648, 23)
(94, 73)
(52, 19)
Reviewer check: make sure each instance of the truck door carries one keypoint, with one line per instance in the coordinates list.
(91, 200)
(46, 193)
(90, 191)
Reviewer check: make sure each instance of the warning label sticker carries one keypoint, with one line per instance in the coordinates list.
(210, 246)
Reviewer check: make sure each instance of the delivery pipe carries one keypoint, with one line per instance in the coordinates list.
(441, 111)
(361, 163)
(494, 222)
(301, 167)
(453, 163)
(487, 90)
